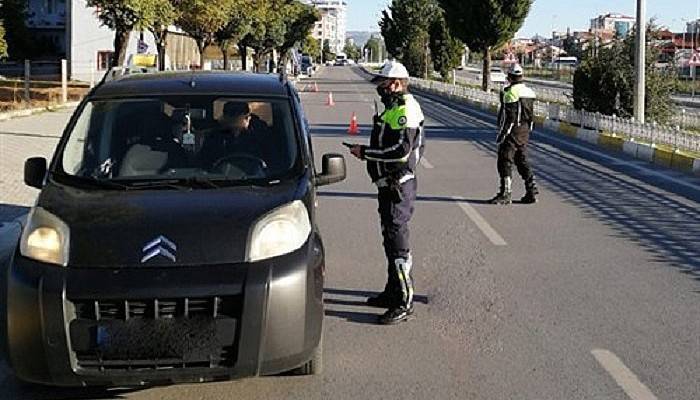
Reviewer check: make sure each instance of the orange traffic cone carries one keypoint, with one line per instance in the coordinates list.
(354, 129)
(330, 102)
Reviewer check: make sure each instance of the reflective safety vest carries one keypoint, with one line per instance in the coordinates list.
(397, 142)
(517, 110)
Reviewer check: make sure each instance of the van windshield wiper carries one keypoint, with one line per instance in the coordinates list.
(178, 183)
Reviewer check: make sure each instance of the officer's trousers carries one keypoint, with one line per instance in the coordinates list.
(511, 152)
(394, 216)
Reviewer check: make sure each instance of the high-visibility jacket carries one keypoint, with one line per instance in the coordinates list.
(396, 143)
(517, 112)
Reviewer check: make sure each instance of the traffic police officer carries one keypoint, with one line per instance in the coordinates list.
(515, 118)
(396, 146)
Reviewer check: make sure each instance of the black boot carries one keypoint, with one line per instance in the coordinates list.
(383, 300)
(531, 192)
(504, 195)
(396, 315)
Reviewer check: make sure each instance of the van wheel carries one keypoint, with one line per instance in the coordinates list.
(315, 365)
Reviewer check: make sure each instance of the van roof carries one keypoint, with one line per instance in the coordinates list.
(193, 82)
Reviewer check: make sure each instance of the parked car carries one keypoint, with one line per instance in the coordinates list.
(496, 75)
(161, 248)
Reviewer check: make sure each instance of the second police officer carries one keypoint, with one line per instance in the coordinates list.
(515, 119)
(396, 146)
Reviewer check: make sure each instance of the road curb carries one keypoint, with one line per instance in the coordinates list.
(32, 111)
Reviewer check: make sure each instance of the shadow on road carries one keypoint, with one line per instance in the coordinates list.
(13, 389)
(665, 226)
(355, 316)
(373, 196)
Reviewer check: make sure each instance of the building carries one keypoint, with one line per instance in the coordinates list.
(693, 27)
(76, 33)
(332, 26)
(46, 21)
(621, 25)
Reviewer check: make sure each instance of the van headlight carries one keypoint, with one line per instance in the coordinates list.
(281, 231)
(45, 238)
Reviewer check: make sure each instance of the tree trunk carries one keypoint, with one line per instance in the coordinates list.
(200, 46)
(224, 52)
(282, 61)
(256, 61)
(486, 73)
(243, 51)
(160, 37)
(121, 40)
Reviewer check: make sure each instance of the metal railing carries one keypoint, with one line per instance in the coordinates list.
(652, 133)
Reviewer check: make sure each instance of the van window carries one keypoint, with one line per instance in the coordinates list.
(227, 139)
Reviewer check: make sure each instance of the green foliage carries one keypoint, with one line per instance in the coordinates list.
(311, 47)
(3, 43)
(352, 51)
(446, 51)
(572, 47)
(238, 25)
(20, 44)
(299, 20)
(405, 27)
(605, 81)
(327, 53)
(484, 25)
(374, 49)
(201, 19)
(268, 29)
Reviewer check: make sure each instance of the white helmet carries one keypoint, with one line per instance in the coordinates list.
(516, 70)
(392, 70)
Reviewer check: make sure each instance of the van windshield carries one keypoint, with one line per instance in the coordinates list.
(181, 138)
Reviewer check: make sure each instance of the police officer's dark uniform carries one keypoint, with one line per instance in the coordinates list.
(396, 146)
(515, 117)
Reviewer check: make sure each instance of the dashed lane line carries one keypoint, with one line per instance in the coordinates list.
(481, 223)
(622, 375)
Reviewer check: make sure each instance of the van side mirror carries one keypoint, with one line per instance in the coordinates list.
(332, 170)
(35, 172)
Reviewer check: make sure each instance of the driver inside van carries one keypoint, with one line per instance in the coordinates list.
(240, 134)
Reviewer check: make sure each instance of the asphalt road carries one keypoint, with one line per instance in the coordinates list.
(592, 293)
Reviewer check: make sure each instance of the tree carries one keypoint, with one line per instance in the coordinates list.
(299, 21)
(3, 43)
(352, 51)
(238, 25)
(405, 27)
(311, 47)
(267, 30)
(201, 19)
(605, 81)
(327, 53)
(20, 44)
(373, 47)
(164, 14)
(124, 16)
(446, 51)
(572, 47)
(485, 25)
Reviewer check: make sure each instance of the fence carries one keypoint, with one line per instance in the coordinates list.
(38, 86)
(653, 133)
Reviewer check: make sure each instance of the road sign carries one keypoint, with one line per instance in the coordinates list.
(694, 60)
(142, 47)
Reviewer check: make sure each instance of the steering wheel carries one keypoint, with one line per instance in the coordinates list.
(225, 164)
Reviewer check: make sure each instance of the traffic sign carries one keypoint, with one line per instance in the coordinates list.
(694, 60)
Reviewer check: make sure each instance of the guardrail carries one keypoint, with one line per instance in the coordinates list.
(652, 133)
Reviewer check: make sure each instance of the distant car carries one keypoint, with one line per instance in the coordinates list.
(496, 75)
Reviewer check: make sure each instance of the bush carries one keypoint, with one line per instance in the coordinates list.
(605, 82)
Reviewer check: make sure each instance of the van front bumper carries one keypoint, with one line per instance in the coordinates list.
(75, 327)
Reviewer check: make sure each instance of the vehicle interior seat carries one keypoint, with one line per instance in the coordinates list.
(153, 150)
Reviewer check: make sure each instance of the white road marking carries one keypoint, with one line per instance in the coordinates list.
(625, 378)
(425, 163)
(481, 223)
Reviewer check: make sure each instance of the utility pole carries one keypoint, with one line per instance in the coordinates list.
(640, 62)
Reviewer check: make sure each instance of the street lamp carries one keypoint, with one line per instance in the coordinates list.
(640, 63)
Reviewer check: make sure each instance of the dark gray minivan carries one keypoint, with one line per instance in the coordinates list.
(174, 238)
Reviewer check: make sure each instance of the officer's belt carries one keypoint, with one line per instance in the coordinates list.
(384, 182)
